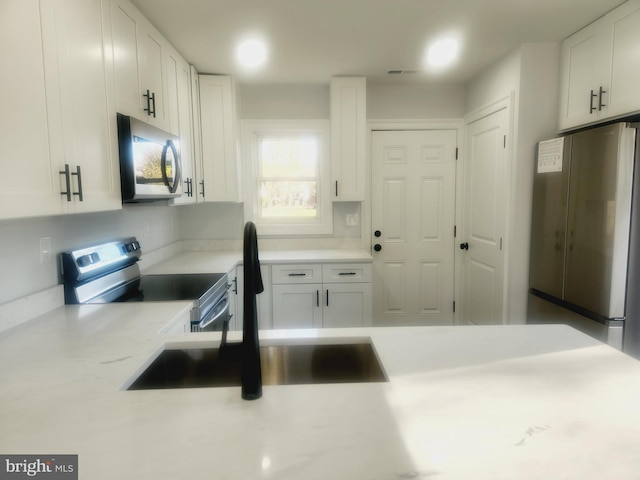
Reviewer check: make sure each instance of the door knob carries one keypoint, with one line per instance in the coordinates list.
(464, 246)
(377, 247)
(377, 233)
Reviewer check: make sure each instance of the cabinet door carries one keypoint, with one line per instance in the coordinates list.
(31, 185)
(583, 61)
(221, 166)
(624, 25)
(125, 58)
(346, 305)
(198, 183)
(81, 101)
(297, 306)
(180, 116)
(138, 52)
(348, 137)
(151, 47)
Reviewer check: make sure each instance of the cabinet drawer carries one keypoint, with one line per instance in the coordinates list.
(346, 272)
(303, 273)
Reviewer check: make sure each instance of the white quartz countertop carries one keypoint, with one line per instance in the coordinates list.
(224, 261)
(494, 402)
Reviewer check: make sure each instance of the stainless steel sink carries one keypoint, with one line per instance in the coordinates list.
(285, 364)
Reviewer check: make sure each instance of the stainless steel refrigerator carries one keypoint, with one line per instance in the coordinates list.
(581, 224)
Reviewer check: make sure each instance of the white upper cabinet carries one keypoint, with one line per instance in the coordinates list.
(624, 28)
(198, 186)
(81, 103)
(220, 150)
(348, 138)
(598, 68)
(31, 180)
(180, 116)
(61, 153)
(139, 56)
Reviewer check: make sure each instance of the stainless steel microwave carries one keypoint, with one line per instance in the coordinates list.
(150, 166)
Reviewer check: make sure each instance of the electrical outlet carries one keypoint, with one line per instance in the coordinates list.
(45, 250)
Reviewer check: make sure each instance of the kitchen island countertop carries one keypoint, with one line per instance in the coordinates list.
(491, 402)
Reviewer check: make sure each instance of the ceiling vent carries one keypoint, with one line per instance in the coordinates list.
(401, 72)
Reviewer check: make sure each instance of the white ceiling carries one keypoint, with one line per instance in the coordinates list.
(311, 40)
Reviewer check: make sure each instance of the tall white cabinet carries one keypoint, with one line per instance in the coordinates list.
(348, 138)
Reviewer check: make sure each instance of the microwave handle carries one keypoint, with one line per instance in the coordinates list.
(163, 164)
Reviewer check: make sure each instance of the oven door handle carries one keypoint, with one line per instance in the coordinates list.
(218, 311)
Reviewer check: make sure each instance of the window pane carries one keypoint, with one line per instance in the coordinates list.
(289, 157)
(283, 199)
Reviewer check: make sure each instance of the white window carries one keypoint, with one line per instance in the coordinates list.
(287, 176)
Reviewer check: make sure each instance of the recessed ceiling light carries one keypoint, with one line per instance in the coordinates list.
(252, 53)
(442, 53)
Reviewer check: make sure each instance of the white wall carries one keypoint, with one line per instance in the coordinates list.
(531, 73)
(284, 102)
(384, 101)
(23, 274)
(415, 101)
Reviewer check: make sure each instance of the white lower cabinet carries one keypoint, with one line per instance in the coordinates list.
(346, 305)
(302, 299)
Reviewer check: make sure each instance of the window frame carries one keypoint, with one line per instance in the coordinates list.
(252, 132)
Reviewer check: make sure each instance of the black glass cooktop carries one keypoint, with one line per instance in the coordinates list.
(186, 286)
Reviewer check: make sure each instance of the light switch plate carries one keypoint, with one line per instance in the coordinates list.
(352, 220)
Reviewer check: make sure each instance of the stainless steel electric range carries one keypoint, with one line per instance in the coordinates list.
(109, 272)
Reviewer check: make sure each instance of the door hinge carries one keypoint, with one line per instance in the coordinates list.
(456, 153)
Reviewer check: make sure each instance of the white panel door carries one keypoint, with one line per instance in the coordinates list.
(413, 213)
(485, 207)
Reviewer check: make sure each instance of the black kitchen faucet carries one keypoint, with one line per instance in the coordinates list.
(251, 368)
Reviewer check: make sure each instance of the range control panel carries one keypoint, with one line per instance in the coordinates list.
(80, 264)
